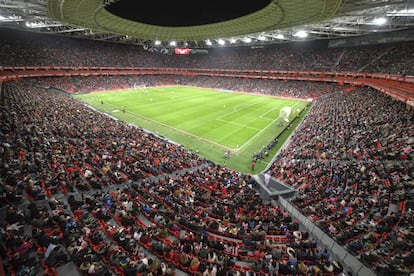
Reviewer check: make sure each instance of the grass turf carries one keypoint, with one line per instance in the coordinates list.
(208, 121)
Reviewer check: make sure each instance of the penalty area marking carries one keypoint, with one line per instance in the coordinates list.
(263, 129)
(263, 116)
(237, 124)
(237, 108)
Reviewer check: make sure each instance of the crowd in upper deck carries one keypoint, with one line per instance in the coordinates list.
(29, 49)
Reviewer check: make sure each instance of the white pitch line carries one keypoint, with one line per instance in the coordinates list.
(257, 134)
(181, 131)
(176, 129)
(219, 119)
(237, 124)
(264, 114)
(242, 106)
(235, 110)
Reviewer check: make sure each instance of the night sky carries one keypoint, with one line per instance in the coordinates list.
(185, 12)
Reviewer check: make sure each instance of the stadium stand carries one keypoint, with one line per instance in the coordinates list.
(22, 49)
(80, 188)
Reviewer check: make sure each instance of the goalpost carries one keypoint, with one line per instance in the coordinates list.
(285, 113)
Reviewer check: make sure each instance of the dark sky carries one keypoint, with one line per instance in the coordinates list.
(181, 13)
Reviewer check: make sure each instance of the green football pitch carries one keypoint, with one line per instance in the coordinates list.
(208, 121)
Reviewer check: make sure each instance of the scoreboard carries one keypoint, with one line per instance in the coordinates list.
(187, 51)
(182, 51)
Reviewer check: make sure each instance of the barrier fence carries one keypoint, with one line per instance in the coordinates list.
(349, 261)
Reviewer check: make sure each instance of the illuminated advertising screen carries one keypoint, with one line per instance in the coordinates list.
(182, 51)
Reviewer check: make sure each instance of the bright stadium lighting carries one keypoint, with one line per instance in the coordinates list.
(157, 42)
(403, 12)
(10, 18)
(15, 17)
(208, 42)
(408, 12)
(379, 21)
(29, 24)
(173, 43)
(35, 24)
(301, 34)
(221, 42)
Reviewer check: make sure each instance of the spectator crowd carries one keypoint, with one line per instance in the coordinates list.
(83, 188)
(352, 164)
(79, 187)
(33, 49)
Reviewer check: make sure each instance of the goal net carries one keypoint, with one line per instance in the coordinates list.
(285, 113)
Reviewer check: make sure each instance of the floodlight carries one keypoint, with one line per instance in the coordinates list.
(379, 21)
(403, 12)
(301, 34)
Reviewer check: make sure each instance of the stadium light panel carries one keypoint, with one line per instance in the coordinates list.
(15, 18)
(10, 18)
(301, 34)
(404, 12)
(35, 24)
(379, 21)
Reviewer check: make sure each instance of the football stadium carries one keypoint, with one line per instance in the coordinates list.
(222, 138)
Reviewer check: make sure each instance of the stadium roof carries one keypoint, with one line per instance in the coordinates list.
(214, 23)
